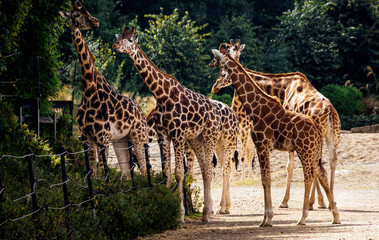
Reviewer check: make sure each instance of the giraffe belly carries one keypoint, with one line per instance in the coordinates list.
(118, 131)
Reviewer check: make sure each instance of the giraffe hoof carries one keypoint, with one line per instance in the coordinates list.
(300, 224)
(265, 225)
(310, 207)
(205, 222)
(224, 212)
(322, 206)
(283, 205)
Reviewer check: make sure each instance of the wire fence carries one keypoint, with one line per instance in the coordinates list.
(87, 180)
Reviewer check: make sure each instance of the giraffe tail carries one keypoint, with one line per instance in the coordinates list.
(214, 160)
(236, 161)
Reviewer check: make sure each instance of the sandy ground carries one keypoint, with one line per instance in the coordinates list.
(356, 194)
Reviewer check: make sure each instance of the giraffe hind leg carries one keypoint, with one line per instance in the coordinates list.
(323, 178)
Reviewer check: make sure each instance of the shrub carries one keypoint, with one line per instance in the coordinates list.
(121, 210)
(347, 100)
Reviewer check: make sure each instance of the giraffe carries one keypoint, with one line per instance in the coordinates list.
(245, 126)
(298, 94)
(275, 127)
(104, 115)
(185, 116)
(228, 145)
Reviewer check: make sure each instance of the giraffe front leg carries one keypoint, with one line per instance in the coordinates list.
(179, 175)
(225, 156)
(166, 151)
(290, 166)
(121, 149)
(264, 163)
(190, 156)
(92, 155)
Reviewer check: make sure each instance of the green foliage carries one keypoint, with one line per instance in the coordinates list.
(348, 122)
(328, 39)
(225, 98)
(106, 61)
(121, 211)
(176, 46)
(346, 100)
(241, 28)
(32, 29)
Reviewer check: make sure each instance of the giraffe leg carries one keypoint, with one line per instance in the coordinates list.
(122, 154)
(179, 174)
(264, 163)
(320, 197)
(309, 171)
(332, 148)
(190, 155)
(92, 155)
(290, 166)
(250, 155)
(323, 178)
(313, 193)
(225, 156)
(167, 159)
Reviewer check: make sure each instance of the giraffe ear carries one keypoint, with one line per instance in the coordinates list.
(65, 15)
(216, 53)
(135, 38)
(117, 36)
(242, 47)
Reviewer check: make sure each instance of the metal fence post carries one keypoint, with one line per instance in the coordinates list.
(131, 163)
(106, 168)
(32, 180)
(64, 178)
(89, 174)
(65, 190)
(148, 166)
(2, 187)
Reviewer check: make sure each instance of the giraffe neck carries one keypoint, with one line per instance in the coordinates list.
(86, 59)
(279, 85)
(249, 93)
(160, 84)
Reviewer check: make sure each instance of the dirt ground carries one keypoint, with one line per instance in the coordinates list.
(356, 193)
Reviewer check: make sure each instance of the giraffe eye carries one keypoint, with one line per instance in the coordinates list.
(223, 75)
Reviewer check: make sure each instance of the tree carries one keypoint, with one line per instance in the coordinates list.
(175, 45)
(30, 30)
(327, 39)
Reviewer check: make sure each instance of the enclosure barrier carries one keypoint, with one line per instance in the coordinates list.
(87, 180)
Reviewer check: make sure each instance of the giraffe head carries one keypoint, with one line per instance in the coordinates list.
(126, 42)
(80, 18)
(233, 49)
(224, 79)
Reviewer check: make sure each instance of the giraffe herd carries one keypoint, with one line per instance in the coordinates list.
(271, 111)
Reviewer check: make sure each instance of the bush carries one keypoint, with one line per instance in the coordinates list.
(347, 100)
(121, 210)
(348, 122)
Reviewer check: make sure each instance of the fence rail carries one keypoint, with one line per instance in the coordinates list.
(87, 179)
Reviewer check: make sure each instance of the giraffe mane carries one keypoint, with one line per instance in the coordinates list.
(153, 64)
(150, 114)
(252, 80)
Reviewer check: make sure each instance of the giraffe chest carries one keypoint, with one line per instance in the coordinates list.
(114, 118)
